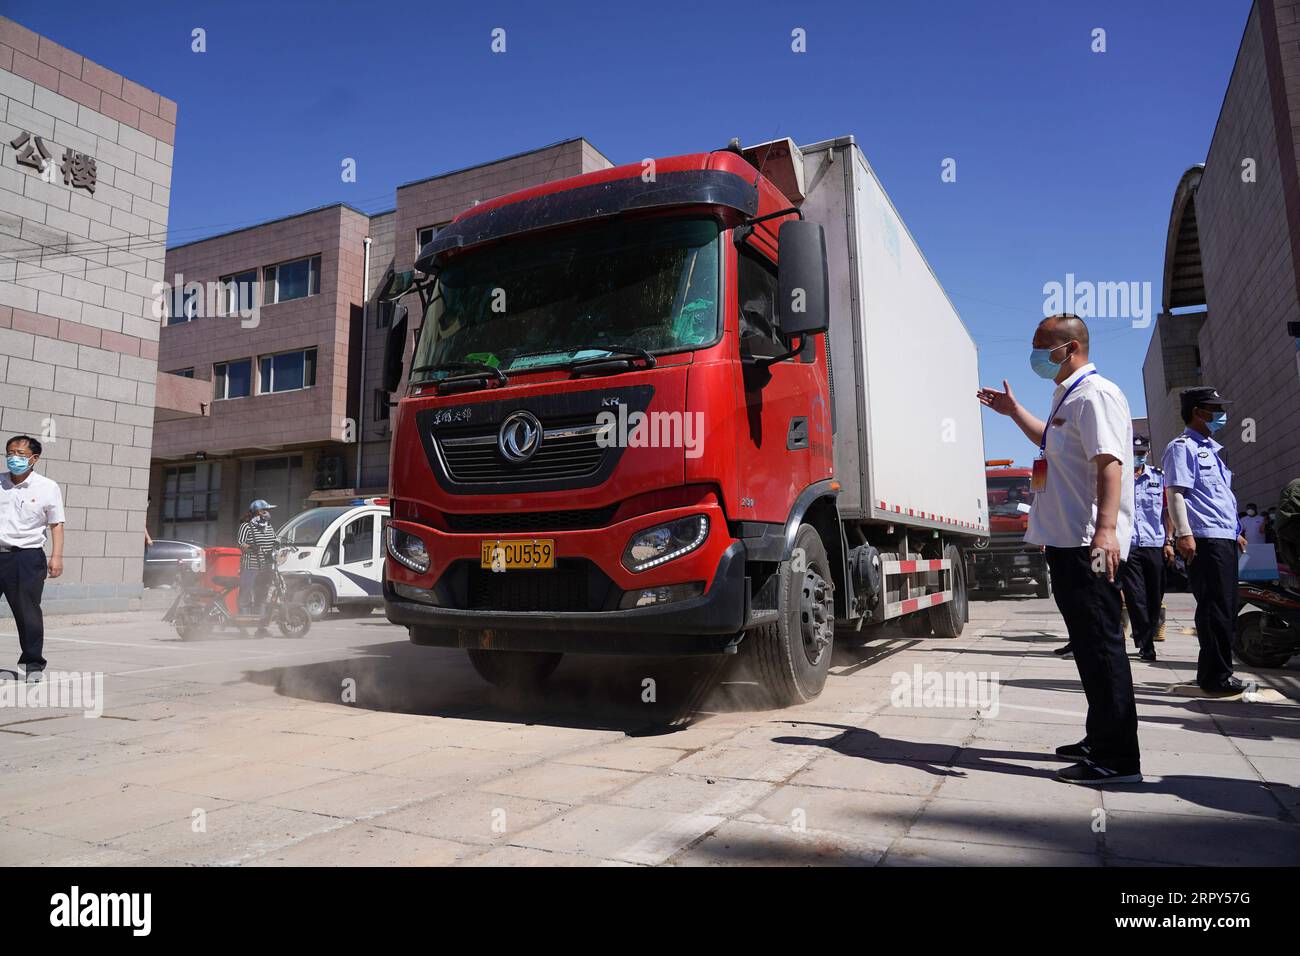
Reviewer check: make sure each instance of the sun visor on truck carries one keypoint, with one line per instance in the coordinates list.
(695, 187)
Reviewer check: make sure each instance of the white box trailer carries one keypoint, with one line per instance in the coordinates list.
(909, 438)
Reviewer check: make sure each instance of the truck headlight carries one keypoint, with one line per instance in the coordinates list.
(655, 546)
(408, 550)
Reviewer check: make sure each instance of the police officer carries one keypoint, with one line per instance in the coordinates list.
(1143, 574)
(1083, 515)
(1208, 536)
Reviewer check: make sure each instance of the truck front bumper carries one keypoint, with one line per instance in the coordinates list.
(708, 624)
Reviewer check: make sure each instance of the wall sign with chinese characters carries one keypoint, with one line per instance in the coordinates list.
(79, 170)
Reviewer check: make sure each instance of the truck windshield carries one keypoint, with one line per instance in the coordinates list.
(1005, 494)
(648, 284)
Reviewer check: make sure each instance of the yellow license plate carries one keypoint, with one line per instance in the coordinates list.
(529, 553)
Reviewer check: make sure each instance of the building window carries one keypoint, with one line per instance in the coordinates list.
(291, 280)
(288, 371)
(191, 502)
(239, 292)
(424, 237)
(382, 399)
(183, 372)
(182, 306)
(233, 379)
(385, 314)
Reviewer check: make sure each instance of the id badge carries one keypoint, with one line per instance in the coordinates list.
(1039, 480)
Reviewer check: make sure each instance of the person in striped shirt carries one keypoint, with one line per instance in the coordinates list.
(257, 543)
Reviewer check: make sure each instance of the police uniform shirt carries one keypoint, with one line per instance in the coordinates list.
(27, 509)
(1148, 504)
(1093, 421)
(1192, 465)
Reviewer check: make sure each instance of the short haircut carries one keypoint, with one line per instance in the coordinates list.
(32, 443)
(1066, 327)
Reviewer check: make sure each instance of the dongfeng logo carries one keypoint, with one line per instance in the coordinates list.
(981, 543)
(520, 437)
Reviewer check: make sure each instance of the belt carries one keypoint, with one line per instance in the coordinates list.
(6, 547)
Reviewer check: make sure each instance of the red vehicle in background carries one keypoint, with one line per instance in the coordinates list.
(1003, 561)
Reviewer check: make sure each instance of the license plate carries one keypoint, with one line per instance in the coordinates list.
(531, 553)
(1022, 559)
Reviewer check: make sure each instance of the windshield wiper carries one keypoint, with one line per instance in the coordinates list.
(620, 359)
(474, 372)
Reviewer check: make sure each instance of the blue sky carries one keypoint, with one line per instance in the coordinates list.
(1066, 159)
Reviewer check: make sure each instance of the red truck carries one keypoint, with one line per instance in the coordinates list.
(1003, 561)
(676, 407)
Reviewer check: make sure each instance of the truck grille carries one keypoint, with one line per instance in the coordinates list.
(564, 588)
(568, 450)
(515, 522)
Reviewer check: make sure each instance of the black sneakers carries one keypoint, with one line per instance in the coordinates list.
(1147, 655)
(1065, 650)
(1079, 751)
(1089, 774)
(1233, 685)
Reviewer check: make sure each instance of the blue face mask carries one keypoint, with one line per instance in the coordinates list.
(1140, 461)
(1040, 360)
(17, 464)
(1216, 421)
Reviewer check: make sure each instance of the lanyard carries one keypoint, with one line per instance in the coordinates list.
(1042, 445)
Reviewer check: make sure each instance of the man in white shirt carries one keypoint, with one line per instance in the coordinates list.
(29, 505)
(1083, 516)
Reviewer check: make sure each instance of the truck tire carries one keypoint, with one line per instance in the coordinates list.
(317, 601)
(1248, 643)
(949, 618)
(514, 670)
(1044, 582)
(792, 656)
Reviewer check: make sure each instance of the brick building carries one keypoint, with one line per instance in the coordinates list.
(85, 174)
(1232, 266)
(295, 415)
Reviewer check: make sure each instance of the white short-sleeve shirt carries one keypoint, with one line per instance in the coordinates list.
(1094, 420)
(27, 509)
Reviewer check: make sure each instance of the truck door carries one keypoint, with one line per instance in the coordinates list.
(358, 565)
(785, 422)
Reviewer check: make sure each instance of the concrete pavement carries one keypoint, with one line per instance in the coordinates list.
(354, 747)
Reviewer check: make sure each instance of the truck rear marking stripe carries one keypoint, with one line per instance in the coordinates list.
(908, 567)
(898, 509)
(917, 603)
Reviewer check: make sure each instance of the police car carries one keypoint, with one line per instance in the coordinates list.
(341, 554)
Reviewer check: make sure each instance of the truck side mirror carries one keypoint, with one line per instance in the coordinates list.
(803, 279)
(395, 351)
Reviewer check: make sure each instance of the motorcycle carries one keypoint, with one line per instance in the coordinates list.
(198, 609)
(1270, 636)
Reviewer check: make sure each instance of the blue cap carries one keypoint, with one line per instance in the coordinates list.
(261, 504)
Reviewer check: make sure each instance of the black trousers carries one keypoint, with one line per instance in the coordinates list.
(1143, 580)
(1213, 577)
(1090, 605)
(22, 579)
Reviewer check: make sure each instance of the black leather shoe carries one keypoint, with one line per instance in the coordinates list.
(1147, 655)
(1065, 650)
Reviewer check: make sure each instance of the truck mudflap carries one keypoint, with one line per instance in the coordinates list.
(709, 624)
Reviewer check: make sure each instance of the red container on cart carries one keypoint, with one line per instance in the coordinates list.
(221, 563)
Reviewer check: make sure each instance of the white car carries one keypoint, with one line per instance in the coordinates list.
(341, 551)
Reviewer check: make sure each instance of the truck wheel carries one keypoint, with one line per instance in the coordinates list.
(317, 601)
(949, 618)
(793, 655)
(1249, 646)
(514, 670)
(1044, 582)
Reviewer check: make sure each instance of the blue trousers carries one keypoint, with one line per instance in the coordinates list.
(22, 579)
